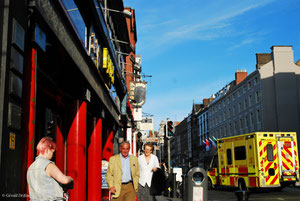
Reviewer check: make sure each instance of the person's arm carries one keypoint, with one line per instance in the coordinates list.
(138, 171)
(54, 172)
(156, 164)
(109, 177)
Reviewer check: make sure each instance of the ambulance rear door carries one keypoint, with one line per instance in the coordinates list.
(268, 156)
(287, 165)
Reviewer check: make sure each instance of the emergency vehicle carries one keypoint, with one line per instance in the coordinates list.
(255, 160)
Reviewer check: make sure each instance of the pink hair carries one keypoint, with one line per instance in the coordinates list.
(44, 144)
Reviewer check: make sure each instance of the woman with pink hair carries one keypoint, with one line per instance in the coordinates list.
(43, 176)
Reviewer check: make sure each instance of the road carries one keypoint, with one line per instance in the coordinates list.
(291, 193)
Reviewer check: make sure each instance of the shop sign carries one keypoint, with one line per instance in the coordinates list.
(108, 65)
(12, 141)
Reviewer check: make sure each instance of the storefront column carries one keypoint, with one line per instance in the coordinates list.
(76, 151)
(94, 161)
(32, 108)
(29, 117)
(108, 147)
(60, 149)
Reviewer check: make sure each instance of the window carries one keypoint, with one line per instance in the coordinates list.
(249, 85)
(251, 119)
(241, 123)
(234, 109)
(244, 88)
(239, 93)
(258, 115)
(229, 112)
(235, 126)
(233, 96)
(255, 81)
(250, 100)
(257, 97)
(224, 116)
(245, 104)
(246, 121)
(270, 156)
(240, 153)
(240, 107)
(229, 158)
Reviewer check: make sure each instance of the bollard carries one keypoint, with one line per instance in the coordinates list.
(242, 195)
(196, 185)
(173, 185)
(183, 190)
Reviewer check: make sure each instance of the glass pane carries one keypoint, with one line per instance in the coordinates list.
(270, 155)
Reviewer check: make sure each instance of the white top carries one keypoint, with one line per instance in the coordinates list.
(146, 169)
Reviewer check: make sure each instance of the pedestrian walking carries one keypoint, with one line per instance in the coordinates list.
(123, 175)
(148, 163)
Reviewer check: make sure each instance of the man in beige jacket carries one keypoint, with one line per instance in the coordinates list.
(123, 175)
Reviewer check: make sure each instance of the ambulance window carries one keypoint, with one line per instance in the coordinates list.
(240, 153)
(270, 155)
(229, 159)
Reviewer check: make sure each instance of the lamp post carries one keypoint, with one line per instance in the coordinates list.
(161, 134)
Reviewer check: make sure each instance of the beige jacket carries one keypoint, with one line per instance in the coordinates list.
(114, 173)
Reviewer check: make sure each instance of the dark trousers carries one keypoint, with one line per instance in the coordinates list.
(144, 193)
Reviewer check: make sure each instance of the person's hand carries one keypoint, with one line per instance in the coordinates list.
(70, 179)
(113, 190)
(154, 169)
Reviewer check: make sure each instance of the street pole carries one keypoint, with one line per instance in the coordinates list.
(169, 155)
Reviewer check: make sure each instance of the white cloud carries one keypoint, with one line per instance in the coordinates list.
(211, 25)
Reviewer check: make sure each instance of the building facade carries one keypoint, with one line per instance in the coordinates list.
(179, 146)
(266, 100)
(62, 77)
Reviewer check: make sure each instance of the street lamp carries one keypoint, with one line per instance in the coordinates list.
(126, 13)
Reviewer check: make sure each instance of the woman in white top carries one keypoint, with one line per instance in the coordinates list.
(148, 164)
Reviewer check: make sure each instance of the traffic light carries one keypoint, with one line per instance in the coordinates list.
(170, 129)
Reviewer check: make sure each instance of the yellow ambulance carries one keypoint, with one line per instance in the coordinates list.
(255, 160)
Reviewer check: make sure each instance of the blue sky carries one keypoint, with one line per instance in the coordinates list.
(192, 48)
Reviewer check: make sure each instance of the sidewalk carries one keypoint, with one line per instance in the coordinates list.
(163, 198)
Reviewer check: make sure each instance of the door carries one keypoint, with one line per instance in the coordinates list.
(270, 168)
(251, 161)
(225, 163)
(286, 158)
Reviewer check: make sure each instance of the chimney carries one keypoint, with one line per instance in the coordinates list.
(240, 75)
(150, 134)
(298, 63)
(262, 59)
(206, 101)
